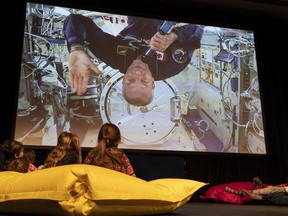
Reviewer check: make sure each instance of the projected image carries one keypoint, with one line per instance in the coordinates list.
(169, 86)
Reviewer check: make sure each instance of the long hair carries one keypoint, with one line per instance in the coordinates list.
(17, 165)
(12, 148)
(109, 137)
(30, 154)
(66, 141)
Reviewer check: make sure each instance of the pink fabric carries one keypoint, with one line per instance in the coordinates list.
(217, 193)
(32, 167)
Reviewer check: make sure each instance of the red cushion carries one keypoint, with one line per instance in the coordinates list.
(217, 193)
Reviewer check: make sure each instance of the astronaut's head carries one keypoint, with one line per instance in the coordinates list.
(138, 84)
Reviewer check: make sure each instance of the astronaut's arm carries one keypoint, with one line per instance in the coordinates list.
(189, 36)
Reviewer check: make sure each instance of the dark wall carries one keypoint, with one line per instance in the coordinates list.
(270, 23)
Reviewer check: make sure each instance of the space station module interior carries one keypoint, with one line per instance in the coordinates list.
(213, 105)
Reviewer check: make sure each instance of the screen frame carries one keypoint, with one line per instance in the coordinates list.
(184, 17)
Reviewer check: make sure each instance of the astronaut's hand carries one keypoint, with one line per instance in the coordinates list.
(161, 42)
(80, 67)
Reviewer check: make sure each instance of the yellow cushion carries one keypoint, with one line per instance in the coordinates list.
(87, 190)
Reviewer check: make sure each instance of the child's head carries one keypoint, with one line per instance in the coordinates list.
(30, 154)
(12, 149)
(17, 165)
(68, 140)
(109, 135)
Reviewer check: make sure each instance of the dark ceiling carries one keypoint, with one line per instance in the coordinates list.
(272, 2)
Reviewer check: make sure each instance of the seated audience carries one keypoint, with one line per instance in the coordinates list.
(67, 151)
(107, 154)
(15, 149)
(18, 165)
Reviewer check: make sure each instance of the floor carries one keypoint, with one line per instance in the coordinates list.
(216, 209)
(222, 209)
